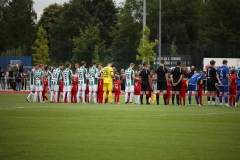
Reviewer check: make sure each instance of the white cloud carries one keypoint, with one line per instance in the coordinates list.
(39, 5)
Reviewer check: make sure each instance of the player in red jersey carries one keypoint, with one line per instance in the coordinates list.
(169, 88)
(200, 90)
(74, 90)
(232, 87)
(137, 90)
(100, 90)
(45, 88)
(183, 91)
(60, 89)
(117, 89)
(87, 92)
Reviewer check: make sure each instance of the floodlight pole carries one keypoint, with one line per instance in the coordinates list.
(160, 31)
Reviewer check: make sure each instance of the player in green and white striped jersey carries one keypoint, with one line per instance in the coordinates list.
(39, 82)
(55, 81)
(93, 82)
(82, 81)
(32, 82)
(129, 84)
(67, 82)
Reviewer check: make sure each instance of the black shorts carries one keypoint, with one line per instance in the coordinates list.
(161, 85)
(177, 87)
(211, 85)
(145, 86)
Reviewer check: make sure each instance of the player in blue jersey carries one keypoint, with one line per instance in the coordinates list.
(193, 86)
(238, 87)
(223, 82)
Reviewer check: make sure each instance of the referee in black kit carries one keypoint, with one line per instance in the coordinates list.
(146, 79)
(211, 80)
(162, 79)
(176, 77)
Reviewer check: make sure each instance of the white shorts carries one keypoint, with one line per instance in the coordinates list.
(93, 88)
(129, 89)
(32, 87)
(55, 87)
(67, 88)
(39, 88)
(82, 87)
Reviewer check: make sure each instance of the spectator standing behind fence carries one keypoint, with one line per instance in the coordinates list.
(20, 67)
(23, 80)
(18, 81)
(7, 79)
(2, 78)
(10, 76)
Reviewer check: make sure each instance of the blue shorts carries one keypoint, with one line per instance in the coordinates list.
(223, 89)
(192, 87)
(238, 88)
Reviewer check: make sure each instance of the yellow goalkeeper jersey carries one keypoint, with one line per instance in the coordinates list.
(107, 74)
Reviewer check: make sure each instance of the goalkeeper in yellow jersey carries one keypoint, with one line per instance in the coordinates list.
(107, 74)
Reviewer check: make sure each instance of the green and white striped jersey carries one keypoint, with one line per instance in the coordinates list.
(49, 77)
(56, 76)
(32, 78)
(38, 77)
(93, 76)
(82, 75)
(129, 73)
(67, 73)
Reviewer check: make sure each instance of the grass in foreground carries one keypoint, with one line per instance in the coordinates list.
(89, 131)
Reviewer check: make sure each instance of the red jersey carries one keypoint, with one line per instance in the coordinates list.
(137, 86)
(117, 86)
(183, 87)
(87, 89)
(200, 89)
(45, 85)
(75, 84)
(233, 79)
(61, 86)
(169, 88)
(100, 84)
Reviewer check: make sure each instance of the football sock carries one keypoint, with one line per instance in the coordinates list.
(131, 97)
(90, 97)
(141, 98)
(173, 97)
(200, 100)
(95, 97)
(226, 99)
(56, 96)
(110, 97)
(213, 100)
(189, 98)
(230, 100)
(157, 98)
(35, 96)
(165, 98)
(196, 98)
(208, 98)
(104, 96)
(40, 96)
(68, 96)
(177, 99)
(83, 96)
(51, 96)
(126, 97)
(220, 98)
(147, 98)
(78, 94)
(30, 94)
(180, 101)
(63, 97)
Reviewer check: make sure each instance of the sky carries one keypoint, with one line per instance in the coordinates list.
(39, 5)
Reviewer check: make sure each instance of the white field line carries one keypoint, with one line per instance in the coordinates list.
(163, 115)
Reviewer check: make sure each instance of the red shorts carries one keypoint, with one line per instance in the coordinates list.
(137, 93)
(233, 90)
(182, 95)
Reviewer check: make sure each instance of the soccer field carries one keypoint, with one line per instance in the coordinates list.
(109, 132)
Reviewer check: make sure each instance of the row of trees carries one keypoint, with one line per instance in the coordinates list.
(98, 29)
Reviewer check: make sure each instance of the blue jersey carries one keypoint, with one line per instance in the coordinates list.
(238, 76)
(195, 78)
(222, 72)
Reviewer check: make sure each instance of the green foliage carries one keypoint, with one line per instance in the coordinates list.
(40, 46)
(174, 50)
(86, 43)
(96, 54)
(17, 20)
(145, 49)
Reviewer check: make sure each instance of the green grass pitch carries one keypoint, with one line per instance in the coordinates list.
(121, 132)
